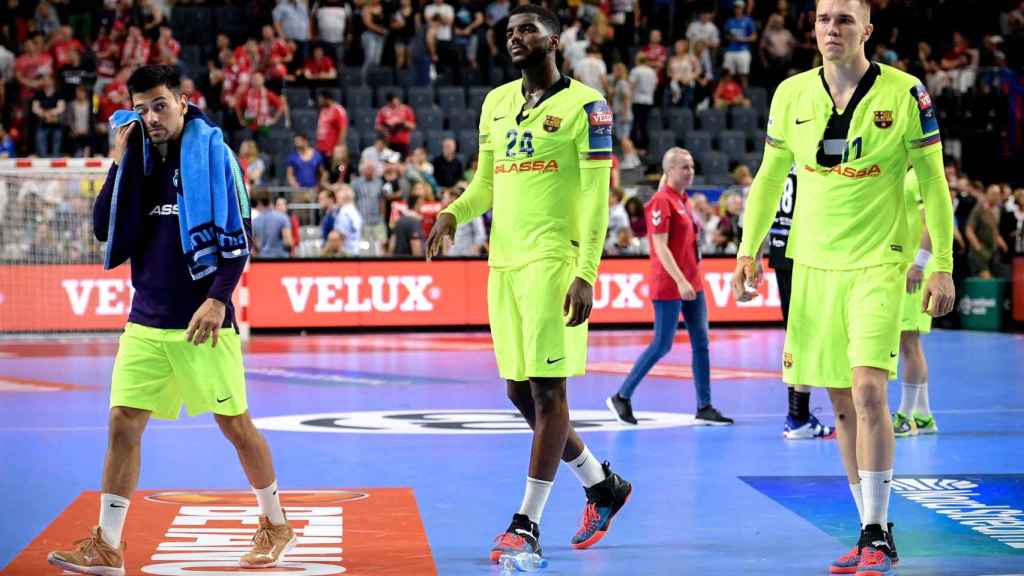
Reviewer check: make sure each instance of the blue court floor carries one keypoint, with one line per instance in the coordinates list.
(427, 411)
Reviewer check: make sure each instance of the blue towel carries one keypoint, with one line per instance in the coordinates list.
(214, 204)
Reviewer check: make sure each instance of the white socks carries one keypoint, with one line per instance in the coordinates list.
(270, 503)
(535, 498)
(921, 404)
(587, 468)
(875, 487)
(914, 398)
(113, 511)
(859, 500)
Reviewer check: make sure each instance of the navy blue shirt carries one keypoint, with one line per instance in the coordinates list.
(165, 294)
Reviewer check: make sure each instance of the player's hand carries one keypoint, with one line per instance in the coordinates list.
(746, 278)
(121, 142)
(686, 291)
(915, 276)
(940, 294)
(578, 302)
(206, 322)
(443, 227)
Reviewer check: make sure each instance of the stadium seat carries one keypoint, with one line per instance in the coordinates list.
(382, 92)
(421, 97)
(352, 140)
(753, 161)
(711, 120)
(434, 139)
(469, 144)
(429, 119)
(476, 97)
(191, 58)
(715, 167)
(366, 139)
(231, 21)
(656, 121)
(466, 121)
(358, 97)
(757, 141)
(405, 78)
(758, 99)
(380, 76)
(191, 23)
(305, 121)
(660, 142)
(452, 99)
(743, 120)
(733, 144)
(298, 98)
(698, 142)
(353, 76)
(680, 122)
(416, 139)
(363, 119)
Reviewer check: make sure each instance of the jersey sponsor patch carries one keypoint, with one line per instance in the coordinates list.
(883, 118)
(929, 122)
(599, 120)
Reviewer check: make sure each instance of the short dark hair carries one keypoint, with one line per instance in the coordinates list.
(326, 93)
(546, 17)
(301, 135)
(148, 77)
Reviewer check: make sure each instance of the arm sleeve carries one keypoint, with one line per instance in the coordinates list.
(925, 149)
(770, 181)
(479, 196)
(229, 272)
(659, 217)
(101, 207)
(594, 145)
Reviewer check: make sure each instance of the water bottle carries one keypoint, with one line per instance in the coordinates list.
(521, 562)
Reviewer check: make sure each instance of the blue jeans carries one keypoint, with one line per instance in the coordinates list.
(49, 139)
(666, 320)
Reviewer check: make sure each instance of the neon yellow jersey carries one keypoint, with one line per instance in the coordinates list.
(915, 203)
(546, 201)
(853, 214)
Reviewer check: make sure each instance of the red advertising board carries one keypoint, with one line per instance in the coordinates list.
(350, 293)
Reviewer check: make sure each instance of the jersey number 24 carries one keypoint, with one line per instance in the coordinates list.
(525, 143)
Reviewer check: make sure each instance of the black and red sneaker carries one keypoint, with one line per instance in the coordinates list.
(604, 500)
(523, 535)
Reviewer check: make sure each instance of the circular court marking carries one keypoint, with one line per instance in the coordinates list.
(458, 422)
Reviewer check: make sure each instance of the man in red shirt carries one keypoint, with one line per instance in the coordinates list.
(396, 121)
(319, 69)
(32, 66)
(331, 125)
(675, 286)
(257, 107)
(62, 46)
(657, 54)
(167, 48)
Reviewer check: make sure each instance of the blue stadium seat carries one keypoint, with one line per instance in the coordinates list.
(352, 140)
(476, 97)
(757, 141)
(469, 143)
(744, 120)
(452, 99)
(660, 142)
(421, 96)
(463, 121)
(715, 167)
(711, 120)
(363, 119)
(434, 139)
(298, 98)
(680, 122)
(753, 161)
(352, 76)
(733, 144)
(416, 139)
(358, 97)
(366, 139)
(380, 76)
(698, 142)
(429, 120)
(758, 99)
(305, 121)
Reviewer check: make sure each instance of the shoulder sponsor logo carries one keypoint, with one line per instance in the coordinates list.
(656, 217)
(883, 118)
(457, 422)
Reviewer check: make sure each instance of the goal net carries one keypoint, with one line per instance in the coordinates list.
(51, 265)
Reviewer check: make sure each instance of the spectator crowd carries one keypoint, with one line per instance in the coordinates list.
(355, 120)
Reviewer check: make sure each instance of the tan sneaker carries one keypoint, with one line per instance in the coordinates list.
(269, 545)
(91, 556)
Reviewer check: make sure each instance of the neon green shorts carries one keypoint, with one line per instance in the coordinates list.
(157, 370)
(842, 319)
(913, 319)
(530, 337)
